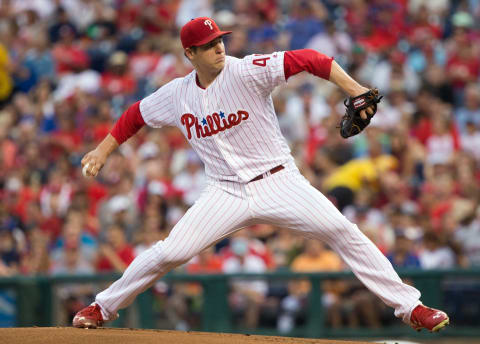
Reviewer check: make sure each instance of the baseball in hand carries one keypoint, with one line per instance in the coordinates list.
(84, 169)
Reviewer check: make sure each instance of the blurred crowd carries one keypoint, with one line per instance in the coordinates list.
(69, 68)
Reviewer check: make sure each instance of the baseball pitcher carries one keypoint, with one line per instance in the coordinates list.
(224, 109)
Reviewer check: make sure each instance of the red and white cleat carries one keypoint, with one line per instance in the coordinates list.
(429, 318)
(89, 317)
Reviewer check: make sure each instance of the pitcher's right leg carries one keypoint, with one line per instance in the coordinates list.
(215, 215)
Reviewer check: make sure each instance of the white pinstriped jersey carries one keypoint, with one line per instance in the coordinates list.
(232, 123)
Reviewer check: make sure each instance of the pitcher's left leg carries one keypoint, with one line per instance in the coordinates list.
(294, 203)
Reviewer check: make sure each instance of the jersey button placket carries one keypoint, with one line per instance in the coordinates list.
(222, 145)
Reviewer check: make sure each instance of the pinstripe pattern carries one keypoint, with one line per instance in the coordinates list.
(289, 200)
(215, 215)
(233, 156)
(157, 108)
(284, 199)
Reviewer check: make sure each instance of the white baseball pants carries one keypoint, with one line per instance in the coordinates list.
(285, 199)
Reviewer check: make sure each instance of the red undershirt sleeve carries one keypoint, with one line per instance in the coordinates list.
(128, 124)
(296, 61)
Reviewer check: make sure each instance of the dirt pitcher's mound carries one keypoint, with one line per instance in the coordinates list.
(68, 335)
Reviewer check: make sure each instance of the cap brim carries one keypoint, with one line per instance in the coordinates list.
(210, 38)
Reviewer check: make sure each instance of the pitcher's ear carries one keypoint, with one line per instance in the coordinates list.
(189, 52)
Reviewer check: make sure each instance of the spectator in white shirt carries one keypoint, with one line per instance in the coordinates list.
(470, 140)
(435, 255)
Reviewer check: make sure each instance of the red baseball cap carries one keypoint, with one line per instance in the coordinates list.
(200, 31)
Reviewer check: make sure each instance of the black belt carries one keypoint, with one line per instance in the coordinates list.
(272, 171)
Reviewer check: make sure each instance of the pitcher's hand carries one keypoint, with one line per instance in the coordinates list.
(93, 162)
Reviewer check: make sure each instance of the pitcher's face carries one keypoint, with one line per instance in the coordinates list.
(210, 56)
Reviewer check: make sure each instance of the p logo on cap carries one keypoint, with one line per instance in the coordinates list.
(209, 23)
(200, 31)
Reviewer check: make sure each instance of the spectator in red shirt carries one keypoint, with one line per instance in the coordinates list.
(422, 26)
(430, 110)
(117, 253)
(117, 79)
(158, 16)
(102, 122)
(128, 16)
(69, 56)
(463, 67)
(206, 262)
(383, 31)
(144, 60)
(67, 136)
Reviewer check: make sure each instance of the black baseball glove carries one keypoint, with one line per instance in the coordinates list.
(352, 123)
